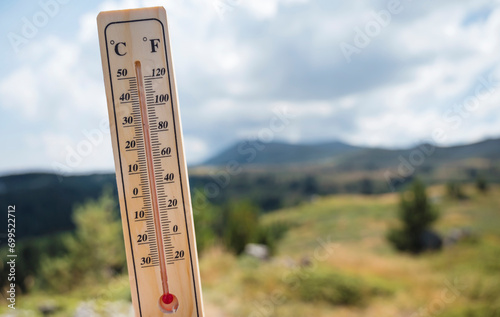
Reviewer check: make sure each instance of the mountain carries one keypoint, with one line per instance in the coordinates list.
(257, 153)
(424, 155)
(349, 157)
(276, 175)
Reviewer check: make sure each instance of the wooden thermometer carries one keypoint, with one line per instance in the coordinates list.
(150, 165)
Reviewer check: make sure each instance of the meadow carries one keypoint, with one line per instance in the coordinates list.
(333, 261)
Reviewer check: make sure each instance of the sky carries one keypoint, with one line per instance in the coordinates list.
(373, 73)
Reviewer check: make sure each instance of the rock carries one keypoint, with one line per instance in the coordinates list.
(86, 309)
(118, 309)
(305, 261)
(48, 308)
(456, 235)
(288, 262)
(258, 251)
(106, 309)
(430, 240)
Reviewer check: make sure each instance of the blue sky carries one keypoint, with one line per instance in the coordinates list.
(374, 73)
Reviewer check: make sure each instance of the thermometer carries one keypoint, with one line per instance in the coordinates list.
(151, 170)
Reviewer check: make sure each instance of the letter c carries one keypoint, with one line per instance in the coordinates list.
(117, 48)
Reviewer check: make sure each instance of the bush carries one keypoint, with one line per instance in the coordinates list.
(416, 214)
(242, 225)
(31, 252)
(455, 191)
(233, 225)
(95, 252)
(333, 288)
(270, 234)
(481, 184)
(205, 217)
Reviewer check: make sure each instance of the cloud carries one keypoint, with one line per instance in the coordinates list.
(232, 72)
(20, 91)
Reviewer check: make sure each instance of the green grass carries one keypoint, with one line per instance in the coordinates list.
(100, 296)
(379, 280)
(348, 269)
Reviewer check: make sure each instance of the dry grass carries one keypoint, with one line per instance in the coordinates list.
(354, 227)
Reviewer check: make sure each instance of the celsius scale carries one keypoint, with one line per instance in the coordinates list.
(151, 170)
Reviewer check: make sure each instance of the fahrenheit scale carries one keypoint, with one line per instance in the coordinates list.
(150, 165)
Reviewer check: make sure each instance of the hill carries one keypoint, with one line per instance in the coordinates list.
(348, 156)
(334, 261)
(423, 155)
(281, 153)
(272, 176)
(44, 202)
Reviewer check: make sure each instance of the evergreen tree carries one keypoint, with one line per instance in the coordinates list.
(416, 214)
(367, 187)
(481, 184)
(242, 225)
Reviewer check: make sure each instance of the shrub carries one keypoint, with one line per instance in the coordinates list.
(242, 225)
(416, 214)
(270, 234)
(333, 287)
(95, 251)
(481, 184)
(205, 217)
(455, 191)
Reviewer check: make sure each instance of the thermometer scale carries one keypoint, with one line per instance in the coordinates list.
(151, 170)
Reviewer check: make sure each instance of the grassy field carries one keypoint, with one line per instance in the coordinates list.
(335, 261)
(344, 238)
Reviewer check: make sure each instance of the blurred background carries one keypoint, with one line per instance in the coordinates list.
(344, 157)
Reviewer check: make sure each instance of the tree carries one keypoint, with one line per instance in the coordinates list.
(310, 186)
(455, 191)
(367, 187)
(481, 184)
(416, 214)
(206, 216)
(94, 252)
(242, 225)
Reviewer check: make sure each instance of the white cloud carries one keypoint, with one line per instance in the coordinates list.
(232, 73)
(54, 145)
(196, 149)
(262, 9)
(19, 91)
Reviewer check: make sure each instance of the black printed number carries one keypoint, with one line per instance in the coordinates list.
(133, 168)
(121, 72)
(172, 202)
(146, 260)
(162, 98)
(142, 238)
(130, 144)
(158, 72)
(166, 151)
(128, 120)
(125, 97)
(139, 214)
(162, 125)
